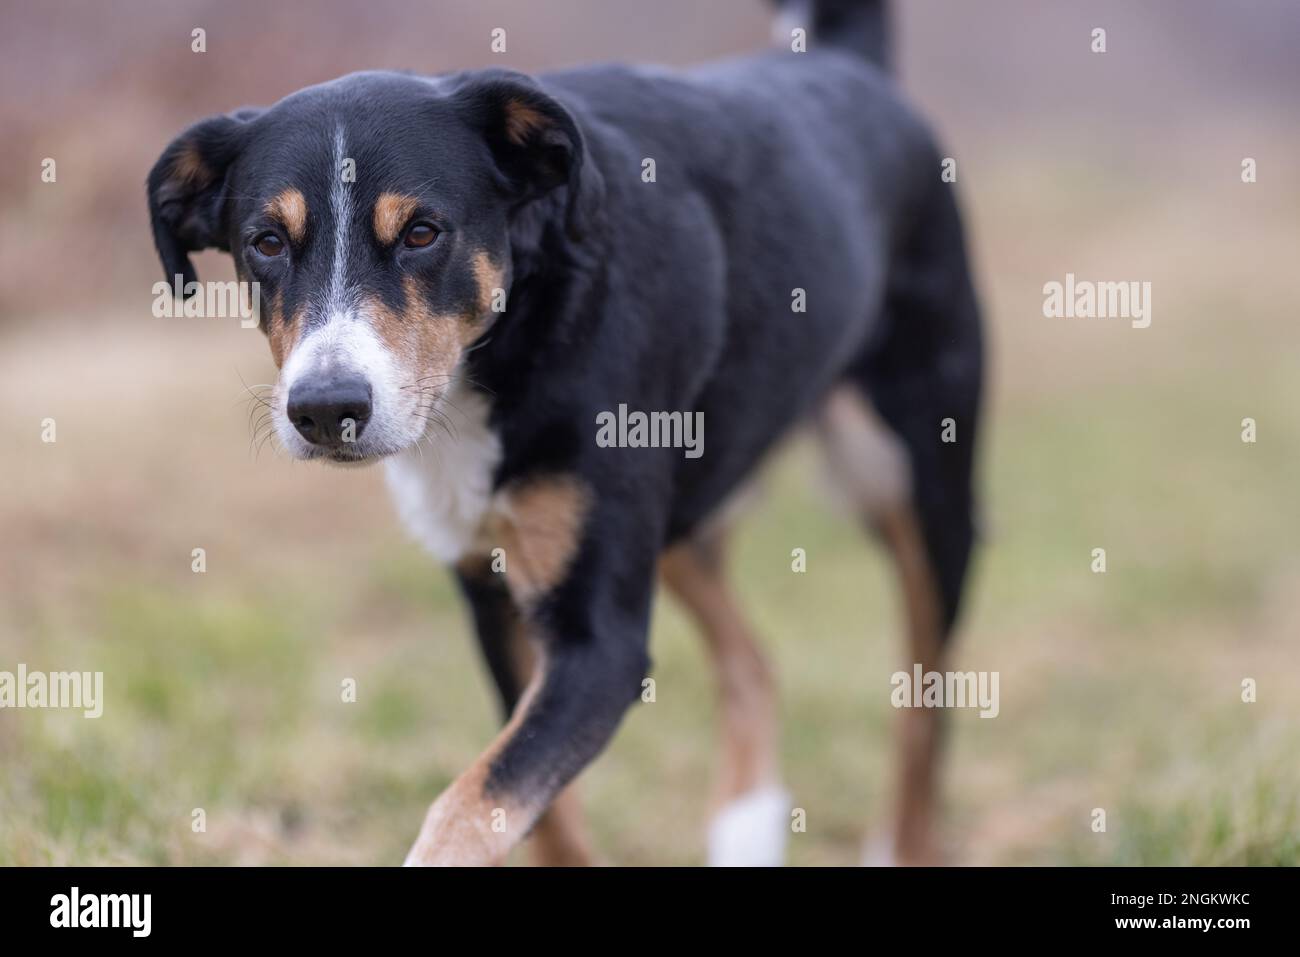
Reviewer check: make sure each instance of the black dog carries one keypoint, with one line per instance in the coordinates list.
(496, 266)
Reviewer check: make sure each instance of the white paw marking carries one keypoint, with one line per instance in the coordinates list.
(751, 830)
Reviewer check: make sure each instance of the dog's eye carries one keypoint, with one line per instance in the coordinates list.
(269, 245)
(419, 236)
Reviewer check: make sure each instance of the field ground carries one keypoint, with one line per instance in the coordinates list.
(1119, 691)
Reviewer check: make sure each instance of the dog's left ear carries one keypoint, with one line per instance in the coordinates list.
(535, 142)
(187, 190)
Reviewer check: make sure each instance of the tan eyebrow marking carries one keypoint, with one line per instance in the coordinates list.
(392, 210)
(289, 206)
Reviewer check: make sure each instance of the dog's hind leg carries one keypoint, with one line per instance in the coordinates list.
(900, 433)
(559, 838)
(752, 811)
(871, 469)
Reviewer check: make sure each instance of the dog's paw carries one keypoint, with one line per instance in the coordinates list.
(751, 830)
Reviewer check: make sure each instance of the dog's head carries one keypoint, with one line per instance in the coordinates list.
(375, 215)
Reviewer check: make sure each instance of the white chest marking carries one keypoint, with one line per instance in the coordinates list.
(443, 488)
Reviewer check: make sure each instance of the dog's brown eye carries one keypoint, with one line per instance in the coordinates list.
(420, 235)
(269, 244)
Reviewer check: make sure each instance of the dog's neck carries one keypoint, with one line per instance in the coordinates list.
(551, 313)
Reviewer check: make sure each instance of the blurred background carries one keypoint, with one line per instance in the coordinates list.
(1119, 691)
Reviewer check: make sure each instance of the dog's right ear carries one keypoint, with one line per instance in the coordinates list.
(187, 190)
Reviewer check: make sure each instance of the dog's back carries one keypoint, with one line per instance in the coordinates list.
(796, 234)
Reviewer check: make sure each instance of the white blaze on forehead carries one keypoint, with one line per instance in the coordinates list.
(339, 337)
(341, 206)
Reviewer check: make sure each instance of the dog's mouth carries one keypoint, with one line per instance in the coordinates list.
(348, 457)
(353, 455)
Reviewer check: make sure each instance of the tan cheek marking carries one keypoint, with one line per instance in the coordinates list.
(422, 342)
(289, 207)
(522, 121)
(489, 278)
(392, 210)
(283, 335)
(539, 523)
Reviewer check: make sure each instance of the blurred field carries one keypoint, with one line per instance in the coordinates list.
(1119, 691)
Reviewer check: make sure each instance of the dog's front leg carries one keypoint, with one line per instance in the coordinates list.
(584, 596)
(567, 715)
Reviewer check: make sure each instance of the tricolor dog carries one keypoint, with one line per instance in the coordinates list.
(463, 275)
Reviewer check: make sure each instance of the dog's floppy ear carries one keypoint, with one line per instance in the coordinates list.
(187, 190)
(534, 140)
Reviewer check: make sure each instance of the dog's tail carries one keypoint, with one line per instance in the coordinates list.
(859, 26)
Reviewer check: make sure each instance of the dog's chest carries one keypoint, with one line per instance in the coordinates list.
(442, 488)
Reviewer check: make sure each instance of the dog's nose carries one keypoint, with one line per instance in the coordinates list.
(321, 409)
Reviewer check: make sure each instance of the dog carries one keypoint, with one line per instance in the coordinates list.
(462, 274)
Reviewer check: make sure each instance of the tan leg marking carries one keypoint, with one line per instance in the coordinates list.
(289, 209)
(871, 466)
(539, 523)
(918, 728)
(693, 572)
(459, 828)
(392, 211)
(559, 838)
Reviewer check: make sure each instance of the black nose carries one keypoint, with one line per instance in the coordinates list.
(330, 411)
